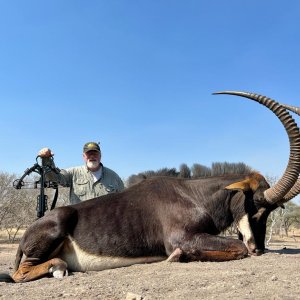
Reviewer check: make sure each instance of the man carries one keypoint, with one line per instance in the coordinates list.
(85, 182)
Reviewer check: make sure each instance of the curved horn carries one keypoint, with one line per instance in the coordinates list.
(285, 183)
(295, 190)
(294, 109)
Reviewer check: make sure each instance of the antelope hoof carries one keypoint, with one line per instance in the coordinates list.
(59, 272)
(259, 252)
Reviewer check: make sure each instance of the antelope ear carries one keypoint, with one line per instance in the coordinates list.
(241, 185)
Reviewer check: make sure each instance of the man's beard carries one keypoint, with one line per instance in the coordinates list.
(92, 164)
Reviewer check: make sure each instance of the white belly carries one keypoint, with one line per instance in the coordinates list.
(79, 260)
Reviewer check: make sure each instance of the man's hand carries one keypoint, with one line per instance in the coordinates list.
(45, 153)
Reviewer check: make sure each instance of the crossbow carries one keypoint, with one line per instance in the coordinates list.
(42, 200)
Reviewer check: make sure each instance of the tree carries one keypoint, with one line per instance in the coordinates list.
(184, 171)
(6, 181)
(17, 207)
(220, 168)
(290, 217)
(200, 171)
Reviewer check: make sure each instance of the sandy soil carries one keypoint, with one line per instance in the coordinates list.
(274, 275)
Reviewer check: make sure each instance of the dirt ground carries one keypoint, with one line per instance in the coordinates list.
(274, 275)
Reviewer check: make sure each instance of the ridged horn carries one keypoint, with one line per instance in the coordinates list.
(294, 109)
(277, 192)
(295, 190)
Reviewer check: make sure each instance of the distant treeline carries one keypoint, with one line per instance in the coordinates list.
(195, 171)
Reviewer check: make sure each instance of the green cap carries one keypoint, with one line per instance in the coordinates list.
(91, 146)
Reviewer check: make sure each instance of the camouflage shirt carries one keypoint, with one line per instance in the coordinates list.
(83, 185)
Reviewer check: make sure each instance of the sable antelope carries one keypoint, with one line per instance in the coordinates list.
(159, 218)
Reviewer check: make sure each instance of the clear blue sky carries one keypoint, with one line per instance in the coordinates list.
(138, 77)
